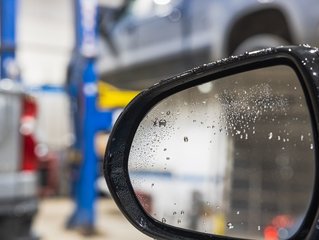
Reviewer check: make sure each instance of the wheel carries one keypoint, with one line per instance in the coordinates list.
(259, 41)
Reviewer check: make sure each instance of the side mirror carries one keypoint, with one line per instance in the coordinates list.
(227, 150)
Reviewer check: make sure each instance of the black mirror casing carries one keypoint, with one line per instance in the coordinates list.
(303, 59)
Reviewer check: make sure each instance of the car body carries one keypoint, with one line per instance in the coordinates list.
(157, 39)
(18, 178)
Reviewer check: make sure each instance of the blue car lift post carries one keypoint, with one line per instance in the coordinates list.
(90, 119)
(8, 23)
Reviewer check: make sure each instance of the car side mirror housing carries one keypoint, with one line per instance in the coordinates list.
(228, 150)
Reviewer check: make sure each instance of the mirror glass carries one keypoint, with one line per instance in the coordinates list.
(232, 157)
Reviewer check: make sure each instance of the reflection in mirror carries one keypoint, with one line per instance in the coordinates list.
(232, 157)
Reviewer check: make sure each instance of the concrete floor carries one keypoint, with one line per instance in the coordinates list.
(111, 224)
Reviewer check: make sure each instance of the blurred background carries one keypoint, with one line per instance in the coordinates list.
(68, 68)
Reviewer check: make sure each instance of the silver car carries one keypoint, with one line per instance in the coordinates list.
(18, 162)
(154, 39)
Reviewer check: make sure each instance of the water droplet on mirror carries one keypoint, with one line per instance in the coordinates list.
(162, 123)
(301, 138)
(168, 113)
(237, 212)
(167, 158)
(270, 135)
(163, 220)
(174, 213)
(155, 122)
(185, 139)
(259, 228)
(142, 222)
(182, 212)
(152, 185)
(311, 146)
(164, 149)
(230, 225)
(179, 221)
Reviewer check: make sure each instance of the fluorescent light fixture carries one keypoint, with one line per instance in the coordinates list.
(162, 2)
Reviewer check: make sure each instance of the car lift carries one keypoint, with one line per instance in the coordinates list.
(7, 41)
(90, 120)
(83, 87)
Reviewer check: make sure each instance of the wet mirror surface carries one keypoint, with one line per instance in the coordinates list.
(233, 157)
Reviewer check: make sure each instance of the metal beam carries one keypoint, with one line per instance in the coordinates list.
(8, 34)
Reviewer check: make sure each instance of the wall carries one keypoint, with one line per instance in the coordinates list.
(45, 37)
